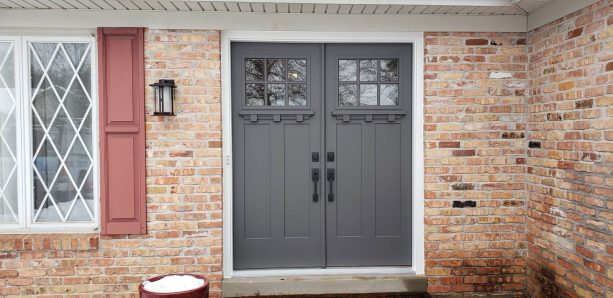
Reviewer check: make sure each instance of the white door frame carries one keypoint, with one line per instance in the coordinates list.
(415, 38)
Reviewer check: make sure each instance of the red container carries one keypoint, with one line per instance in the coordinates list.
(200, 292)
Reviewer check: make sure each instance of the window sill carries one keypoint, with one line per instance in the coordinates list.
(55, 242)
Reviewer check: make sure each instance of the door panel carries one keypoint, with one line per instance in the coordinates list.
(352, 108)
(276, 101)
(368, 127)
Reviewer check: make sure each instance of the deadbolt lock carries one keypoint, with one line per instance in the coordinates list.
(315, 156)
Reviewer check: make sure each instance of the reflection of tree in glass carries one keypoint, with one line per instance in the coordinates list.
(276, 95)
(296, 69)
(347, 95)
(347, 70)
(254, 94)
(297, 94)
(368, 94)
(389, 69)
(254, 69)
(368, 70)
(275, 69)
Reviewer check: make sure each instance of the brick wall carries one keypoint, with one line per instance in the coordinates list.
(494, 154)
(570, 160)
(183, 186)
(475, 162)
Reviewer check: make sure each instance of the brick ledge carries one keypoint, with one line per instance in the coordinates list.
(57, 242)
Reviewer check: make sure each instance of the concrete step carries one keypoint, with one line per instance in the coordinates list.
(327, 286)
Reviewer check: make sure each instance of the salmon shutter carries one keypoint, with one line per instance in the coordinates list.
(122, 130)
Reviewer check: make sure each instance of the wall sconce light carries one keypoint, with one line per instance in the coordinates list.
(164, 92)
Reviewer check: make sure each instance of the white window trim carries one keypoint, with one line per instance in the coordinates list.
(415, 38)
(23, 117)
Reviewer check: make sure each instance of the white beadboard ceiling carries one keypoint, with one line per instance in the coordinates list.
(439, 7)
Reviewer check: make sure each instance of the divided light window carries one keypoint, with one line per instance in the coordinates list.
(48, 169)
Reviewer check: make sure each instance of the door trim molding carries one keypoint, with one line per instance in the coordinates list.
(415, 38)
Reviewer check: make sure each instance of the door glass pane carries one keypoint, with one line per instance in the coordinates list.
(347, 70)
(389, 70)
(8, 136)
(347, 95)
(368, 70)
(276, 94)
(297, 94)
(276, 69)
(296, 69)
(60, 104)
(368, 94)
(389, 94)
(254, 94)
(254, 69)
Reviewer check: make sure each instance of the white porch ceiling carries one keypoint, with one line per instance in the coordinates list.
(394, 7)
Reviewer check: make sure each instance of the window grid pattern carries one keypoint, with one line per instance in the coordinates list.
(61, 109)
(9, 212)
(276, 82)
(368, 82)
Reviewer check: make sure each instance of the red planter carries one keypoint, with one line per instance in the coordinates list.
(201, 292)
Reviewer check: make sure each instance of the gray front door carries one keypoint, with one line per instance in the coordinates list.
(322, 155)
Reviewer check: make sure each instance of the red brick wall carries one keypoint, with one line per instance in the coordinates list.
(183, 186)
(475, 86)
(570, 162)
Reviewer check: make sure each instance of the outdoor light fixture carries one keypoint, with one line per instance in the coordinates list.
(164, 92)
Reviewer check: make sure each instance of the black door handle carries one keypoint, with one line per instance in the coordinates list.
(331, 177)
(315, 178)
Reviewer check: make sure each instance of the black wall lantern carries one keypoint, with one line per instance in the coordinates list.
(164, 92)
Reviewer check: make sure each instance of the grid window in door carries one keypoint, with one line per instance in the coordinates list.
(368, 82)
(55, 136)
(276, 82)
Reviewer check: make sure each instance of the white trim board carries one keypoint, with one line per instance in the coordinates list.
(416, 38)
(260, 21)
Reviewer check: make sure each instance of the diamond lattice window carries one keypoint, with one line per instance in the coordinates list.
(9, 212)
(56, 125)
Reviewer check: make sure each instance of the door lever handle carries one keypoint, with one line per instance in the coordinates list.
(315, 178)
(331, 177)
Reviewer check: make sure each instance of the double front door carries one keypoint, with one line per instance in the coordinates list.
(322, 155)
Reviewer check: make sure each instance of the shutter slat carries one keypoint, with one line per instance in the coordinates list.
(122, 130)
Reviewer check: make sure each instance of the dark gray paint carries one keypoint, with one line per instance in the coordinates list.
(276, 222)
(369, 224)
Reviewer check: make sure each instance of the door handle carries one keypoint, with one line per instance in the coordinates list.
(315, 178)
(331, 177)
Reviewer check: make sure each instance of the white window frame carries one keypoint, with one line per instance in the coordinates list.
(24, 138)
(417, 224)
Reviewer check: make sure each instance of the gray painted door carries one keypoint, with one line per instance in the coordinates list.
(276, 90)
(353, 109)
(368, 127)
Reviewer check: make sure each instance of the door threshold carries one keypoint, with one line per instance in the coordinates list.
(337, 284)
(404, 270)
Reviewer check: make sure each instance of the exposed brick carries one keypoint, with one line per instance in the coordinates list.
(476, 42)
(463, 152)
(449, 144)
(565, 177)
(463, 186)
(574, 33)
(584, 104)
(512, 135)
